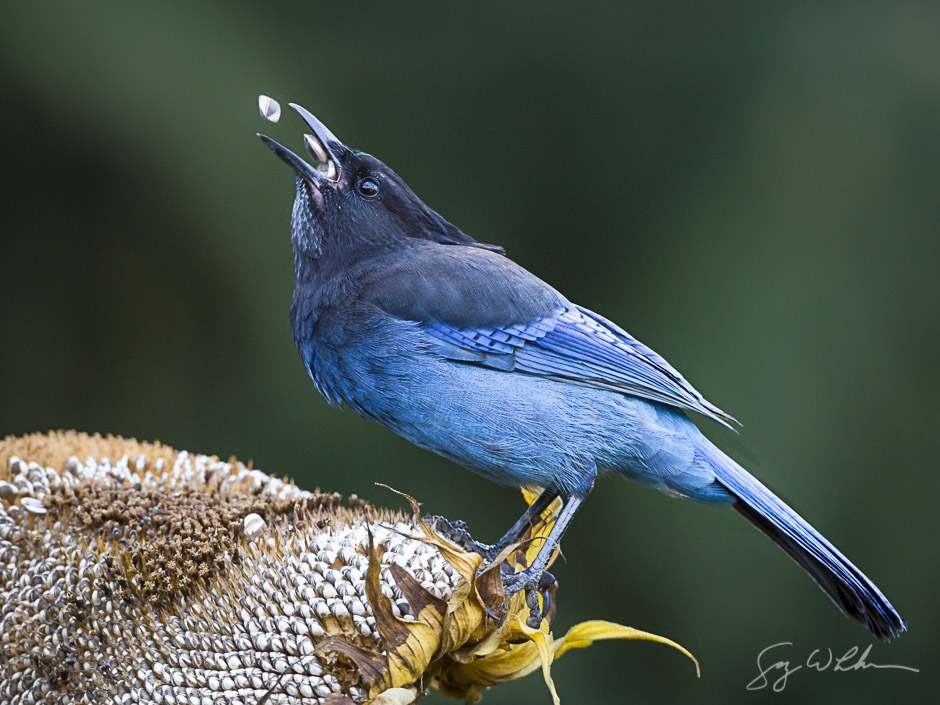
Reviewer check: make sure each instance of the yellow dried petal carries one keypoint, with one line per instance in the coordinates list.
(586, 633)
(543, 642)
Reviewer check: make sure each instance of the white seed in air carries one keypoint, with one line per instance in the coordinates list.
(269, 108)
(253, 525)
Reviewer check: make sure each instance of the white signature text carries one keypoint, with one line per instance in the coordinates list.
(775, 671)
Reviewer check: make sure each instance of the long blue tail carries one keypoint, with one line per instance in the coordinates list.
(846, 585)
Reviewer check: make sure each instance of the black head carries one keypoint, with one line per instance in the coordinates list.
(350, 200)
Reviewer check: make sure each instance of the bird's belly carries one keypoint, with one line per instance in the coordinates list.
(514, 429)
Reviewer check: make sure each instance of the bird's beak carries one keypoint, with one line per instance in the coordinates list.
(322, 145)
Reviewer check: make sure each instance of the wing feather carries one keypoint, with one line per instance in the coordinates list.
(574, 345)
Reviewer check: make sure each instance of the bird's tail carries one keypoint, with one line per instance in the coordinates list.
(846, 585)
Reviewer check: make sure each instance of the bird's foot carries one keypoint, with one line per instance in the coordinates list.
(534, 582)
(457, 532)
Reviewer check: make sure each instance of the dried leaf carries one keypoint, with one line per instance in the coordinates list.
(418, 598)
(391, 629)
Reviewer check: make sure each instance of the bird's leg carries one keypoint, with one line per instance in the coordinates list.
(532, 579)
(531, 515)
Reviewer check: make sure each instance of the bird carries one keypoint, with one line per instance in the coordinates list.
(407, 320)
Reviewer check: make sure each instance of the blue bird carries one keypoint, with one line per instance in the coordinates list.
(410, 322)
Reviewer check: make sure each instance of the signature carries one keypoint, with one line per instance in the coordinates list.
(775, 673)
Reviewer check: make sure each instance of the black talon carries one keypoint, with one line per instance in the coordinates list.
(533, 582)
(535, 613)
(547, 585)
(492, 615)
(547, 582)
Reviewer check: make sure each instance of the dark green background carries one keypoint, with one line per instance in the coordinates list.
(749, 188)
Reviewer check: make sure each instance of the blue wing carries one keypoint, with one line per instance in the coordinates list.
(481, 308)
(573, 345)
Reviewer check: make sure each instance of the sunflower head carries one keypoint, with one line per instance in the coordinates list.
(134, 573)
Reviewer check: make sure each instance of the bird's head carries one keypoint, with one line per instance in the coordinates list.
(349, 200)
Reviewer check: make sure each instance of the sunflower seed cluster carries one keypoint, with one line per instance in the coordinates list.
(77, 626)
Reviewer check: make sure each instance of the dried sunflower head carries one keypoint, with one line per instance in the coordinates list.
(133, 573)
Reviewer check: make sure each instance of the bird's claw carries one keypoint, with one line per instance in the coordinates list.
(534, 583)
(457, 532)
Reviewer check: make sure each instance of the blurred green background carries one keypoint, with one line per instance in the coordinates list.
(749, 188)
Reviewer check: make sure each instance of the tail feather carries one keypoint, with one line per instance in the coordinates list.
(849, 588)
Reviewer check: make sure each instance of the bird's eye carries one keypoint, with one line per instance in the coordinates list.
(368, 187)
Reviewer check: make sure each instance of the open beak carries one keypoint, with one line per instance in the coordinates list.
(322, 145)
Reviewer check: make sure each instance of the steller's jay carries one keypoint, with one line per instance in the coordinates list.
(410, 322)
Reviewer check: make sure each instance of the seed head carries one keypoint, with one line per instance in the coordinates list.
(133, 573)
